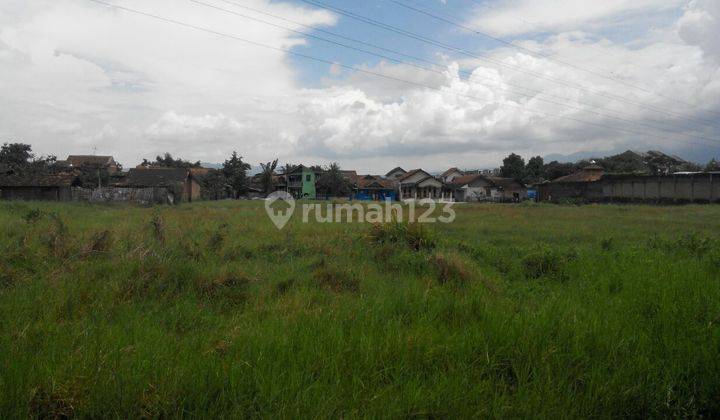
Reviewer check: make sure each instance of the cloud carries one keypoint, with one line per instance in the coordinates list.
(531, 16)
(78, 76)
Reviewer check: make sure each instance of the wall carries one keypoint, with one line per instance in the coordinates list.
(670, 188)
(700, 188)
(144, 196)
(308, 187)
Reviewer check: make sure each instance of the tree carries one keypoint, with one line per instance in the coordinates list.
(214, 185)
(266, 177)
(712, 166)
(235, 171)
(333, 182)
(513, 167)
(94, 175)
(555, 169)
(168, 161)
(16, 154)
(534, 170)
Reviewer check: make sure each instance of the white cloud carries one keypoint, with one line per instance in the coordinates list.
(77, 76)
(532, 16)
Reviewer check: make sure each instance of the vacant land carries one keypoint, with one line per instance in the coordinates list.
(208, 310)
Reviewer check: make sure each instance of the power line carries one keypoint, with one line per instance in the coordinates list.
(482, 57)
(380, 75)
(418, 66)
(533, 52)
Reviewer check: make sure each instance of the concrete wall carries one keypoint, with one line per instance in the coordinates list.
(669, 188)
(699, 188)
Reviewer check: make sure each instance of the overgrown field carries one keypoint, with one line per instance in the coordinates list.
(207, 310)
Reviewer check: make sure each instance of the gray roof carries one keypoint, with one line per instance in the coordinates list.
(38, 180)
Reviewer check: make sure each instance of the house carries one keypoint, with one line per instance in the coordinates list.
(452, 173)
(301, 181)
(478, 187)
(419, 184)
(375, 187)
(177, 184)
(45, 186)
(584, 184)
(396, 174)
(107, 162)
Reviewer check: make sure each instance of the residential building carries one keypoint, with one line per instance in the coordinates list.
(50, 187)
(301, 181)
(107, 162)
(419, 184)
(584, 184)
(375, 187)
(452, 173)
(178, 183)
(477, 187)
(396, 174)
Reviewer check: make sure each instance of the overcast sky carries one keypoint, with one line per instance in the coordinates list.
(583, 76)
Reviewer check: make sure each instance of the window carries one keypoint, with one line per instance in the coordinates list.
(308, 177)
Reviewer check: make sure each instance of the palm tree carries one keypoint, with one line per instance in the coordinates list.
(266, 177)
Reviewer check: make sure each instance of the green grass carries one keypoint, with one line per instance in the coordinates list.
(206, 310)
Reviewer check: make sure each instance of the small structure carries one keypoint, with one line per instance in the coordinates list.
(42, 186)
(107, 162)
(419, 184)
(375, 187)
(477, 187)
(584, 184)
(174, 184)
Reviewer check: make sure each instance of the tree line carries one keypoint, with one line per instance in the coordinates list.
(536, 170)
(230, 180)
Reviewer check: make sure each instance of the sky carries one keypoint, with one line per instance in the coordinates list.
(370, 84)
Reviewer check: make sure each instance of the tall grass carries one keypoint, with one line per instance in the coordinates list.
(207, 310)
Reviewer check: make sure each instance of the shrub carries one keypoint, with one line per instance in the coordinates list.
(33, 216)
(449, 268)
(232, 286)
(414, 235)
(158, 227)
(606, 243)
(545, 262)
(99, 243)
(334, 278)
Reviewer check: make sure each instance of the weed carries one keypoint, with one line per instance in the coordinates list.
(158, 227)
(606, 244)
(227, 285)
(58, 402)
(99, 243)
(334, 278)
(414, 235)
(33, 216)
(449, 268)
(545, 262)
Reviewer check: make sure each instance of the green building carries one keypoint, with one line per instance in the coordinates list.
(301, 182)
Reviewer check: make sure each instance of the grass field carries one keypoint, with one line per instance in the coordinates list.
(207, 310)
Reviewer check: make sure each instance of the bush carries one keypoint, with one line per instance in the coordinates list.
(334, 278)
(414, 235)
(546, 262)
(449, 268)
